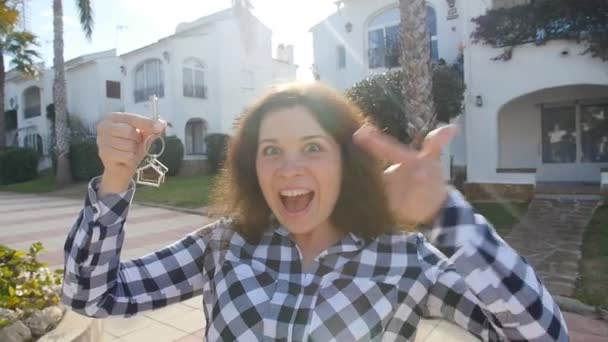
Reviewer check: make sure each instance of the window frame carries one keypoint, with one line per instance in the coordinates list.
(30, 112)
(143, 94)
(199, 91)
(108, 89)
(384, 55)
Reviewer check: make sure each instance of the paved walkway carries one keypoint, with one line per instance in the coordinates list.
(550, 237)
(27, 218)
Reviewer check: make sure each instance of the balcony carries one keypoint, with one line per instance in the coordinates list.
(383, 58)
(32, 111)
(144, 94)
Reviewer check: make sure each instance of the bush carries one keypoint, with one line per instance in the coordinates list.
(380, 98)
(217, 143)
(26, 285)
(173, 155)
(84, 160)
(18, 165)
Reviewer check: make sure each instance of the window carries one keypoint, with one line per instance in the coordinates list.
(149, 80)
(384, 39)
(113, 90)
(194, 79)
(341, 57)
(196, 130)
(32, 102)
(34, 141)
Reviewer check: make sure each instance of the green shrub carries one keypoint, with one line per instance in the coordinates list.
(173, 155)
(18, 165)
(84, 160)
(380, 98)
(216, 150)
(26, 285)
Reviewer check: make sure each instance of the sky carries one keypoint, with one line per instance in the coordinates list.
(129, 24)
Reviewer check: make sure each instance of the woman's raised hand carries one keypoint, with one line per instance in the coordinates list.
(414, 183)
(120, 140)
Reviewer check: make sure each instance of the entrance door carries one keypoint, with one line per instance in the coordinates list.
(573, 143)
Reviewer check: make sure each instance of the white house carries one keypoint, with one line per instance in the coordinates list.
(525, 120)
(204, 75)
(93, 88)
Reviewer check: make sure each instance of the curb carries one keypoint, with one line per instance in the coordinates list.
(575, 306)
(75, 328)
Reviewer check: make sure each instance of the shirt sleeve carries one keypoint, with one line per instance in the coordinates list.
(98, 284)
(485, 286)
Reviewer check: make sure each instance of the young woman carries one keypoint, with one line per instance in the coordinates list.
(309, 248)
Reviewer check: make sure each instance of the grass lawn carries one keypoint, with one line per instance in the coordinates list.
(592, 287)
(502, 215)
(188, 192)
(45, 183)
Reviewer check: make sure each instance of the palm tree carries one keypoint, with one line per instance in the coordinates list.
(18, 44)
(62, 136)
(417, 82)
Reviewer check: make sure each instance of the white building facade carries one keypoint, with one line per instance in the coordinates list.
(205, 74)
(526, 120)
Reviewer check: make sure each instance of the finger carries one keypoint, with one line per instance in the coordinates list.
(125, 131)
(437, 139)
(142, 123)
(383, 146)
(123, 144)
(113, 155)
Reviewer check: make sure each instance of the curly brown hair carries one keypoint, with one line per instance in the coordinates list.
(362, 207)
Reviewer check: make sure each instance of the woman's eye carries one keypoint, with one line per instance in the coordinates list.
(270, 151)
(312, 147)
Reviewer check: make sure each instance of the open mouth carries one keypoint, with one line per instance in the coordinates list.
(296, 201)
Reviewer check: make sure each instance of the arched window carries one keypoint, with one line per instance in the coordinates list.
(31, 97)
(384, 39)
(149, 80)
(34, 141)
(196, 131)
(193, 74)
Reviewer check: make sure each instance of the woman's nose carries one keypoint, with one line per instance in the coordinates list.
(291, 167)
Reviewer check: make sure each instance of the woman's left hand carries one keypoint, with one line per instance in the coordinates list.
(414, 184)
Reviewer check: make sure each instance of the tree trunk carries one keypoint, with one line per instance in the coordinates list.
(417, 82)
(2, 88)
(62, 147)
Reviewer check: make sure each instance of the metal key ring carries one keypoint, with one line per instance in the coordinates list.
(148, 146)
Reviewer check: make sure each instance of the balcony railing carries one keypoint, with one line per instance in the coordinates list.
(383, 58)
(32, 111)
(144, 94)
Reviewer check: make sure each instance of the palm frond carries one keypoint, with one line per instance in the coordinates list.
(18, 45)
(85, 14)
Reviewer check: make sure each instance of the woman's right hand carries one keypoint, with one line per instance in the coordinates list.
(120, 140)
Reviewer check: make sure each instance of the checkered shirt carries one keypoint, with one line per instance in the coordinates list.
(357, 290)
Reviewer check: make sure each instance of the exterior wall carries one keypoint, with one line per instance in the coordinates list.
(330, 33)
(497, 82)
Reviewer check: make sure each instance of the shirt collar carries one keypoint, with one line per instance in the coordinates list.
(350, 243)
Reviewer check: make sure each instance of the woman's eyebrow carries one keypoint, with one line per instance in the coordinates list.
(310, 137)
(268, 141)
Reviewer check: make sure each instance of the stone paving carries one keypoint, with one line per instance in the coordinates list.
(550, 237)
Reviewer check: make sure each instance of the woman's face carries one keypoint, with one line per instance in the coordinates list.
(299, 169)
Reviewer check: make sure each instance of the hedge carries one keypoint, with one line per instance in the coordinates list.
(18, 165)
(84, 160)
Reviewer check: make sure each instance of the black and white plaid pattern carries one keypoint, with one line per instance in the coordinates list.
(357, 290)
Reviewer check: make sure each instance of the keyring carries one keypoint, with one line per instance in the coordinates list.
(151, 142)
(152, 171)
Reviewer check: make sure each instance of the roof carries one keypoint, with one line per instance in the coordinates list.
(90, 57)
